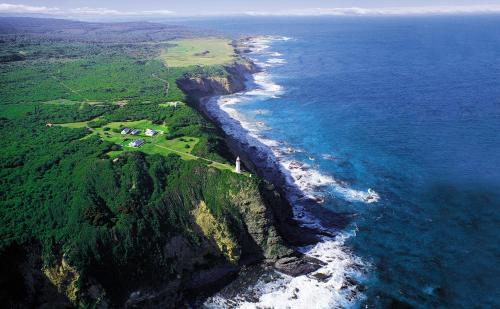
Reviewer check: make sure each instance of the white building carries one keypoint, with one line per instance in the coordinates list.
(125, 131)
(136, 143)
(150, 132)
(238, 165)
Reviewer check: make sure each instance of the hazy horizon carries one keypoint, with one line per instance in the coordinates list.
(154, 8)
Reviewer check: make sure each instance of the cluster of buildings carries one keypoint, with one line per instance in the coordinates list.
(140, 141)
(126, 131)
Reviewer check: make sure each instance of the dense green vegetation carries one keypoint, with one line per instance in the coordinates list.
(64, 192)
(72, 187)
(107, 77)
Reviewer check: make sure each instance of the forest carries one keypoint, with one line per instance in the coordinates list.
(93, 219)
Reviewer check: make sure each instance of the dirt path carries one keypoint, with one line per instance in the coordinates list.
(70, 89)
(167, 87)
(215, 163)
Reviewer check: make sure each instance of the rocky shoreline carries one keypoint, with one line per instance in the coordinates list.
(203, 89)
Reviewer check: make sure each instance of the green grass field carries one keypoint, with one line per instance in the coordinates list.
(157, 144)
(70, 102)
(199, 51)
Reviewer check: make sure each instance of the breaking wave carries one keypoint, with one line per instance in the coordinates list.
(337, 283)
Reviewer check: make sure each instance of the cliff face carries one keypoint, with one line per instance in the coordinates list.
(198, 87)
(191, 234)
(245, 233)
(238, 74)
(230, 223)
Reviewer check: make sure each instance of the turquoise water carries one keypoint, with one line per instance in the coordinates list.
(409, 107)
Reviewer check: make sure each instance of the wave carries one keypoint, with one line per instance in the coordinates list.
(276, 61)
(264, 86)
(336, 283)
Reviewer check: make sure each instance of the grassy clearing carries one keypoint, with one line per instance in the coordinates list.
(170, 104)
(74, 125)
(139, 124)
(199, 51)
(152, 145)
(70, 102)
(158, 144)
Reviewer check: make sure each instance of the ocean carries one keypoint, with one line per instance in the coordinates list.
(393, 126)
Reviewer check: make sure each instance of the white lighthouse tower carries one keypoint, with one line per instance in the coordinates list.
(238, 165)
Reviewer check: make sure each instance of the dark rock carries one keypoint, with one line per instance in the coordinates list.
(321, 276)
(204, 278)
(298, 265)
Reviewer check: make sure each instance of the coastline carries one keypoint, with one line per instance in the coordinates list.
(321, 262)
(203, 94)
(254, 155)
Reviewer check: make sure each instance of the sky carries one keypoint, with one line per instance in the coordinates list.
(110, 8)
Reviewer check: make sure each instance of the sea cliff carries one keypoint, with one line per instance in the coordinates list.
(234, 81)
(201, 91)
(88, 221)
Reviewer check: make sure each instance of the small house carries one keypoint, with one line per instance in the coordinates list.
(125, 131)
(136, 143)
(134, 132)
(150, 132)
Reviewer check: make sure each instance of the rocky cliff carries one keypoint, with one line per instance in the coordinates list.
(201, 88)
(238, 74)
(234, 81)
(190, 229)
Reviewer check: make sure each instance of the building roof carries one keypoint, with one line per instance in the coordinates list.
(150, 132)
(136, 143)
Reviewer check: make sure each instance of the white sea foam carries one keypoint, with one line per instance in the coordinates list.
(265, 86)
(276, 61)
(332, 290)
(333, 285)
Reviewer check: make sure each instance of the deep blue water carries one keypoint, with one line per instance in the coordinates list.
(411, 108)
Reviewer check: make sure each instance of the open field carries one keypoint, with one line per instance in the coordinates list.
(199, 51)
(157, 144)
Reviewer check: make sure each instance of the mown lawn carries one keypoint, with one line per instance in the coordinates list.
(157, 144)
(199, 51)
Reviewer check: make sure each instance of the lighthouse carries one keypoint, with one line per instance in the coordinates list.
(238, 165)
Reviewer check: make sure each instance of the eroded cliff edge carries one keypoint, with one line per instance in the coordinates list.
(199, 91)
(234, 81)
(183, 228)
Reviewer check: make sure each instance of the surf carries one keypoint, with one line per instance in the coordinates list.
(336, 283)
